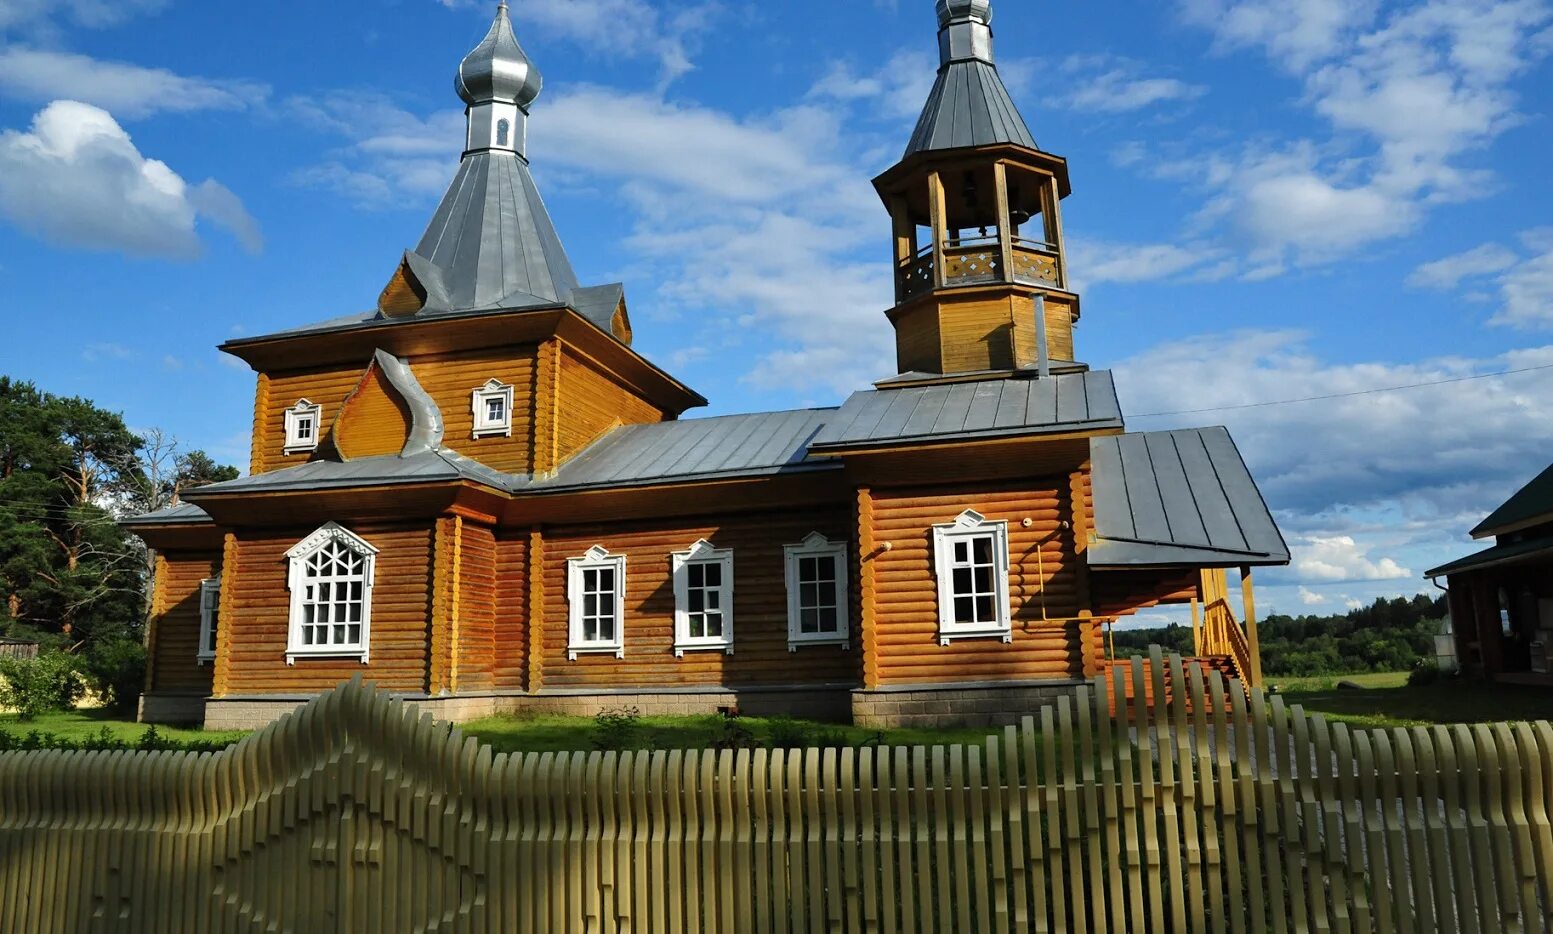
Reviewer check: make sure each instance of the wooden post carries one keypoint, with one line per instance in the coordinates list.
(1005, 234)
(1196, 628)
(225, 612)
(536, 610)
(1248, 596)
(940, 221)
(1054, 230)
(867, 587)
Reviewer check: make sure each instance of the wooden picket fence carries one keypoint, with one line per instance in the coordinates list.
(355, 814)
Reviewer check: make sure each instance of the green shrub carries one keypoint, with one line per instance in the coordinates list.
(616, 728)
(33, 686)
(116, 671)
(786, 733)
(103, 740)
(1425, 674)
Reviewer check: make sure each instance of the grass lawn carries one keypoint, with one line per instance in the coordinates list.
(539, 734)
(1387, 701)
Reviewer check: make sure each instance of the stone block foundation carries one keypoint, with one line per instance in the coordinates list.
(928, 706)
(181, 709)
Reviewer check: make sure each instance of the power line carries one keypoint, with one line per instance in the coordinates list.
(1348, 395)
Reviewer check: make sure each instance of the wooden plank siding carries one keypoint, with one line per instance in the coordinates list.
(375, 420)
(760, 654)
(475, 644)
(257, 601)
(1043, 585)
(324, 386)
(174, 663)
(451, 379)
(591, 401)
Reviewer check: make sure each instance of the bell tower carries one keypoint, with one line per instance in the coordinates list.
(981, 277)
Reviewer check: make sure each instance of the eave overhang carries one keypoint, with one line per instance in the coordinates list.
(898, 177)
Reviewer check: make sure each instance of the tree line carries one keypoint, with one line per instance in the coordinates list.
(1388, 635)
(70, 578)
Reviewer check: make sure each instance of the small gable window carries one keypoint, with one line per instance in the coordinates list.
(331, 574)
(302, 427)
(703, 598)
(210, 612)
(595, 593)
(970, 557)
(503, 132)
(493, 410)
(816, 592)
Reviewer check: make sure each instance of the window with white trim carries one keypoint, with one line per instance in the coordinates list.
(970, 558)
(302, 427)
(816, 592)
(331, 595)
(493, 410)
(210, 618)
(703, 598)
(595, 591)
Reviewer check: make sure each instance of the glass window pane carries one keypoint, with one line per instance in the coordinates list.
(983, 545)
(962, 580)
(697, 575)
(607, 579)
(714, 599)
(984, 580)
(961, 552)
(714, 625)
(829, 620)
(827, 594)
(964, 611)
(714, 575)
(984, 610)
(808, 594)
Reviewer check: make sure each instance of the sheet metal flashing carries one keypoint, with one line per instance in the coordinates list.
(974, 410)
(181, 514)
(1506, 553)
(1178, 498)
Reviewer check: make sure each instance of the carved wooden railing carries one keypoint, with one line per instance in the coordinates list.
(979, 260)
(1220, 633)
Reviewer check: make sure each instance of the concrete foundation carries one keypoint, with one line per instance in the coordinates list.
(992, 703)
(180, 709)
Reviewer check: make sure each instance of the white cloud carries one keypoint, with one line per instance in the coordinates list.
(129, 91)
(1523, 280)
(42, 15)
(1095, 262)
(632, 29)
(105, 350)
(1110, 84)
(899, 88)
(1408, 91)
(1310, 597)
(75, 178)
(1339, 558)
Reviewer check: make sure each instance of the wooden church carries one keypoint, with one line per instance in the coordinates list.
(480, 496)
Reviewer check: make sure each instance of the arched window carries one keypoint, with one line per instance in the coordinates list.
(331, 595)
(503, 131)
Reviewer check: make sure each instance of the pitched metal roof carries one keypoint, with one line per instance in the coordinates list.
(974, 410)
(180, 514)
(494, 241)
(498, 69)
(969, 106)
(1507, 553)
(1178, 497)
(696, 448)
(1531, 504)
(368, 471)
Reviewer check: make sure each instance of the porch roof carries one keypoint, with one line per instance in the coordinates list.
(1507, 553)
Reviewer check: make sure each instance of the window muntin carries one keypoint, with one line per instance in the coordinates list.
(331, 595)
(703, 598)
(210, 613)
(596, 597)
(817, 596)
(492, 407)
(970, 559)
(302, 427)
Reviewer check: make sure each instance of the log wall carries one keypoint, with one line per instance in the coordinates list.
(1043, 586)
(510, 618)
(760, 655)
(256, 625)
(374, 420)
(175, 625)
(591, 402)
(475, 642)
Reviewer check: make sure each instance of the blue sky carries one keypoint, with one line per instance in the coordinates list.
(1273, 199)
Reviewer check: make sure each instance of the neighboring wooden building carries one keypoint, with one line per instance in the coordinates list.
(482, 496)
(1501, 599)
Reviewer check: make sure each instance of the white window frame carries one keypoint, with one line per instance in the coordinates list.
(969, 526)
(701, 552)
(296, 579)
(597, 558)
(295, 416)
(484, 427)
(816, 545)
(210, 609)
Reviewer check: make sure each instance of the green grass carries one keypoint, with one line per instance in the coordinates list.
(1387, 701)
(1366, 679)
(538, 733)
(88, 723)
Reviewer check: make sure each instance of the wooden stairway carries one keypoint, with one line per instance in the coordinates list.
(1223, 664)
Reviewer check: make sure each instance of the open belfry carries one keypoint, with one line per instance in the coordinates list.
(481, 497)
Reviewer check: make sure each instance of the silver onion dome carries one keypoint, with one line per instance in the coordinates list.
(977, 10)
(498, 69)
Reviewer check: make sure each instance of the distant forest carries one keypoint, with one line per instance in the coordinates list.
(1388, 635)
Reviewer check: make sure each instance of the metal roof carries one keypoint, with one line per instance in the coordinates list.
(437, 466)
(967, 411)
(172, 515)
(969, 105)
(1531, 505)
(493, 241)
(1506, 553)
(1178, 497)
(498, 69)
(696, 448)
